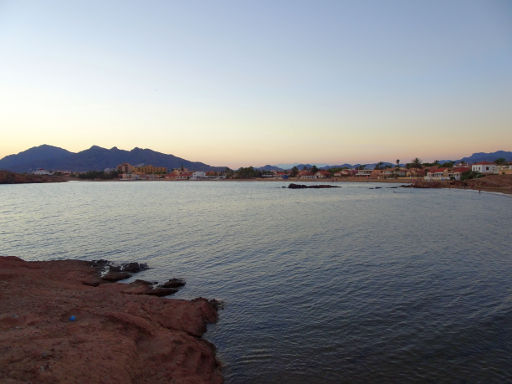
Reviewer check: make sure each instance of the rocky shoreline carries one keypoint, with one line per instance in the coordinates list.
(68, 322)
(491, 183)
(7, 177)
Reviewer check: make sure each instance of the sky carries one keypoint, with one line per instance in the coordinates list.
(238, 83)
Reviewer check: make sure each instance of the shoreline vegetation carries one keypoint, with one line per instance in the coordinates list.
(489, 183)
(68, 321)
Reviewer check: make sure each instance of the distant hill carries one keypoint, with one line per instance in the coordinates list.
(474, 158)
(385, 164)
(307, 166)
(325, 166)
(94, 158)
(337, 166)
(267, 168)
(300, 166)
(482, 156)
(44, 156)
(98, 158)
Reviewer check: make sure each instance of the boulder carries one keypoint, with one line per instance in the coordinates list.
(173, 283)
(297, 186)
(134, 267)
(161, 291)
(116, 276)
(303, 186)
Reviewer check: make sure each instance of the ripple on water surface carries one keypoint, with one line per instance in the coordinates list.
(321, 286)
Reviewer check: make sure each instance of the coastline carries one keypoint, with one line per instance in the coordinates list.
(7, 177)
(490, 183)
(61, 323)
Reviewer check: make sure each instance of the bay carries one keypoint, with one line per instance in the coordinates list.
(320, 286)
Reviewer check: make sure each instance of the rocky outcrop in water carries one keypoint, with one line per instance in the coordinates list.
(173, 283)
(111, 272)
(426, 184)
(116, 276)
(303, 186)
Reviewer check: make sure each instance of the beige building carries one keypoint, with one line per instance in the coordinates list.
(125, 168)
(151, 170)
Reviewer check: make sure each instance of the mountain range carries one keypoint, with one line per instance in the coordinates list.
(482, 156)
(98, 158)
(95, 158)
(474, 158)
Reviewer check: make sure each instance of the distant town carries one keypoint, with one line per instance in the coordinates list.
(414, 170)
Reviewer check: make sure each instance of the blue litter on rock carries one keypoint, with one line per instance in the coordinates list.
(72, 318)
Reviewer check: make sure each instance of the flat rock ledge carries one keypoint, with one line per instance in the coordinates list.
(318, 186)
(60, 322)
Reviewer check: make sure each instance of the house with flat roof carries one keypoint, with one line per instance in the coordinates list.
(485, 167)
(364, 172)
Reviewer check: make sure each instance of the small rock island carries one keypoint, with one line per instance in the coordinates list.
(318, 186)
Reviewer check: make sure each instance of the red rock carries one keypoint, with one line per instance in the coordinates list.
(161, 291)
(116, 337)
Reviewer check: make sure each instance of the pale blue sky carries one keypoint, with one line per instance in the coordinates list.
(253, 82)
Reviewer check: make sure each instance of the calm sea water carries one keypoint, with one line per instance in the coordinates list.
(320, 286)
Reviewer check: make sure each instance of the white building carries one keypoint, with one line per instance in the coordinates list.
(129, 177)
(41, 171)
(485, 167)
(198, 175)
(364, 172)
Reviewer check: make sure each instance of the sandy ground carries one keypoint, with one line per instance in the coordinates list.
(60, 323)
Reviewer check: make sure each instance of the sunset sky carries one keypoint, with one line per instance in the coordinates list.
(243, 82)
